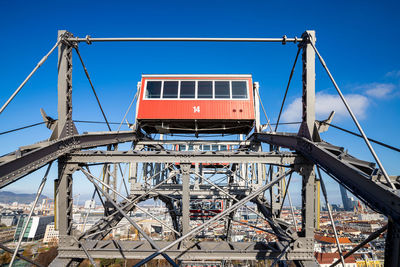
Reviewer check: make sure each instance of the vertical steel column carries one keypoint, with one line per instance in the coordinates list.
(308, 77)
(256, 86)
(308, 201)
(277, 191)
(65, 126)
(185, 167)
(308, 192)
(307, 130)
(115, 181)
(64, 198)
(317, 203)
(392, 246)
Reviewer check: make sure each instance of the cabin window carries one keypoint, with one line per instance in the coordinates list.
(190, 148)
(222, 89)
(223, 148)
(188, 89)
(182, 147)
(153, 90)
(197, 89)
(214, 148)
(170, 89)
(239, 90)
(206, 147)
(204, 89)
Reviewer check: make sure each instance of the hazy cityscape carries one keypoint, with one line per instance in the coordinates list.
(353, 225)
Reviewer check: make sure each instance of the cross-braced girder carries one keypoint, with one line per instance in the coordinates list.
(239, 177)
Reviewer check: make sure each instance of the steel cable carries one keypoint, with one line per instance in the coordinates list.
(287, 88)
(371, 149)
(21, 128)
(29, 76)
(91, 85)
(359, 135)
(126, 113)
(262, 106)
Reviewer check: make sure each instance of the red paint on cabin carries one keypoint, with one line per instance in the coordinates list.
(194, 114)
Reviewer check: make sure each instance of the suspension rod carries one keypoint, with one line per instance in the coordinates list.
(86, 252)
(328, 207)
(39, 192)
(89, 39)
(29, 76)
(371, 149)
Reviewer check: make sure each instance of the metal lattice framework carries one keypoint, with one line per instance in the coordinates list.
(249, 175)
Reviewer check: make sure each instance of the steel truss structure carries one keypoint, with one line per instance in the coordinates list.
(248, 175)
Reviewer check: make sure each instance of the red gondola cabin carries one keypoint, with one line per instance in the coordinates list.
(196, 104)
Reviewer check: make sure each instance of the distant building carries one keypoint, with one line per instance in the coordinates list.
(335, 207)
(326, 259)
(369, 217)
(36, 227)
(10, 217)
(363, 260)
(6, 235)
(348, 204)
(364, 226)
(328, 243)
(90, 204)
(51, 234)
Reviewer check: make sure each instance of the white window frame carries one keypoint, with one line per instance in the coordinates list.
(247, 90)
(162, 89)
(230, 90)
(197, 89)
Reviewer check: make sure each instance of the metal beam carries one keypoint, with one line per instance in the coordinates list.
(64, 199)
(120, 210)
(23, 163)
(65, 125)
(392, 245)
(115, 192)
(217, 217)
(193, 142)
(378, 195)
(204, 250)
(104, 224)
(275, 158)
(185, 169)
(89, 39)
(308, 78)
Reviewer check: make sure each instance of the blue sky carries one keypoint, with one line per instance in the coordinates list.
(358, 39)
